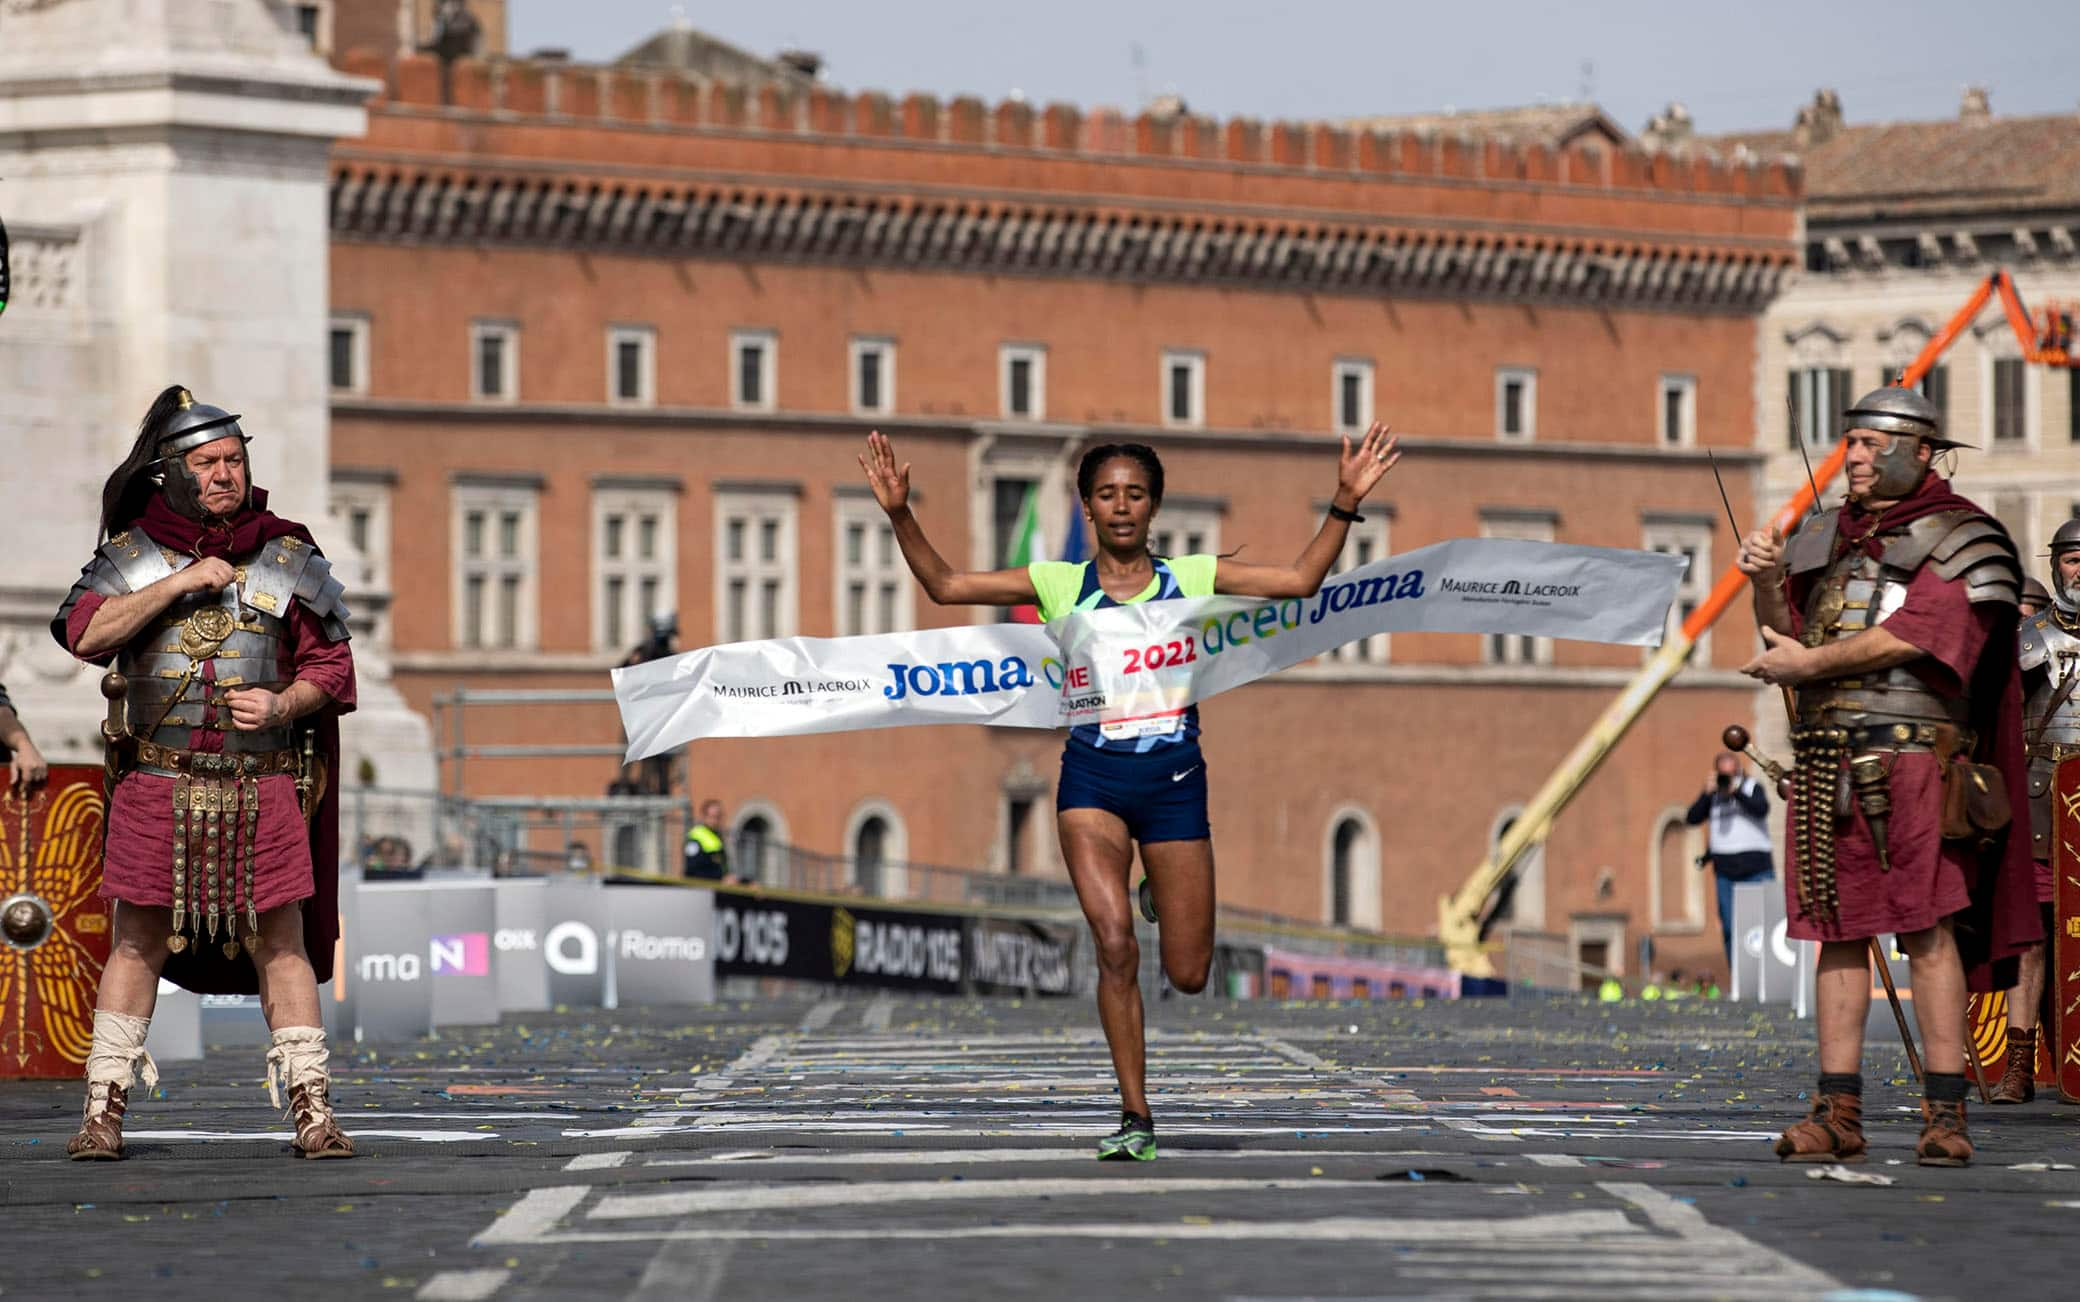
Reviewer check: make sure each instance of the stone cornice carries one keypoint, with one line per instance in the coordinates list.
(413, 202)
(583, 417)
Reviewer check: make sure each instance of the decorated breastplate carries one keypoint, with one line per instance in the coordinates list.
(1855, 592)
(2051, 714)
(183, 662)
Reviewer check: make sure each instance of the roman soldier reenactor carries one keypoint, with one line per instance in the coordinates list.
(1893, 617)
(2050, 658)
(229, 642)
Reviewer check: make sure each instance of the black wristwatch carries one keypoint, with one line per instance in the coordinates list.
(1348, 517)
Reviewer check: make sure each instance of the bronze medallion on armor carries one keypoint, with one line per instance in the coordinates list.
(203, 635)
(1828, 604)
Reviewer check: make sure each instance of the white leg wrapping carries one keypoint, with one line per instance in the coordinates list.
(298, 1057)
(118, 1056)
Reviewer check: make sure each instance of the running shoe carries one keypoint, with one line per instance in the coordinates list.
(1134, 1141)
(1147, 900)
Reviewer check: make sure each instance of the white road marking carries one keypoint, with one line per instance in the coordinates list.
(1561, 1226)
(357, 1132)
(987, 1156)
(462, 1285)
(879, 1010)
(1716, 1242)
(820, 1016)
(533, 1216)
(1299, 1055)
(880, 1193)
(596, 1161)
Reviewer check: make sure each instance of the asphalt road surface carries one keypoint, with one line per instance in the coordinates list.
(1522, 1148)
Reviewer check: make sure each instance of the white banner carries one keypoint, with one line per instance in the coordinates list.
(1130, 667)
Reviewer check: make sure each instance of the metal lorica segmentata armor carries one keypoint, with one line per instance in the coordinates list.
(174, 673)
(2050, 657)
(206, 643)
(1852, 591)
(1848, 727)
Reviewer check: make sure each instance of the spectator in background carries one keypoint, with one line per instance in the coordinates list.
(1737, 844)
(27, 769)
(577, 857)
(2035, 596)
(706, 857)
(652, 776)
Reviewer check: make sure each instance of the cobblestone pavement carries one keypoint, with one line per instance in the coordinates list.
(1522, 1148)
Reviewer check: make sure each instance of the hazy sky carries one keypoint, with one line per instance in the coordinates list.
(1736, 65)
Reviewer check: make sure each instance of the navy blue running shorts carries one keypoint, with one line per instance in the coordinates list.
(1159, 794)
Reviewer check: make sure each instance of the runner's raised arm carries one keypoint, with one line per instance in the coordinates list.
(1357, 471)
(945, 585)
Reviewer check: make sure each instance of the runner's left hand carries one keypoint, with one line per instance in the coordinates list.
(1365, 465)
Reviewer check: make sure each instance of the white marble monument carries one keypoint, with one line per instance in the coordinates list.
(163, 179)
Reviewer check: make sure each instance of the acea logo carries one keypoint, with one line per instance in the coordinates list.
(466, 953)
(958, 678)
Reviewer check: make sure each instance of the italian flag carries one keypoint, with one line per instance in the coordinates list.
(1028, 544)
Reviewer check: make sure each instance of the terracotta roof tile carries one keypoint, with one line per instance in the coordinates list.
(1957, 166)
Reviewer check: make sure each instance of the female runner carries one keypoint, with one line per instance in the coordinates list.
(1141, 780)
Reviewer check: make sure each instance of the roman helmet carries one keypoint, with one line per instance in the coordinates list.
(188, 426)
(2063, 595)
(1912, 420)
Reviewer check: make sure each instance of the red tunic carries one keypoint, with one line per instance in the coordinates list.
(1930, 877)
(138, 866)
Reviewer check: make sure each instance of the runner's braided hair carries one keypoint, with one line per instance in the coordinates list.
(1095, 459)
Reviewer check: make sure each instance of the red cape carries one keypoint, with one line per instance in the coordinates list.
(2002, 921)
(203, 968)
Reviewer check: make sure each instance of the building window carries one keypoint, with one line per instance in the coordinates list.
(1677, 411)
(1692, 542)
(1516, 648)
(1184, 388)
(360, 509)
(634, 561)
(632, 366)
(495, 566)
(1677, 888)
(754, 565)
(1186, 527)
(1516, 404)
(347, 354)
(1022, 372)
(873, 376)
(752, 849)
(1934, 386)
(754, 366)
(1520, 902)
(1364, 544)
(878, 845)
(1351, 395)
(2010, 400)
(873, 586)
(494, 373)
(1816, 396)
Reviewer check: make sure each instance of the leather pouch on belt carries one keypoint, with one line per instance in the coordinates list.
(1975, 796)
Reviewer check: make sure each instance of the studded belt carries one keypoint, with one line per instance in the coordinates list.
(1908, 737)
(168, 762)
(2055, 751)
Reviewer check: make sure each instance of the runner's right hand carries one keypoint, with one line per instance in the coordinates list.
(891, 485)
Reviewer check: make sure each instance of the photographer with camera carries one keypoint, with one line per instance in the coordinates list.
(652, 776)
(1737, 843)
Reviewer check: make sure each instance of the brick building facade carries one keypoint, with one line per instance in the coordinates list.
(607, 340)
